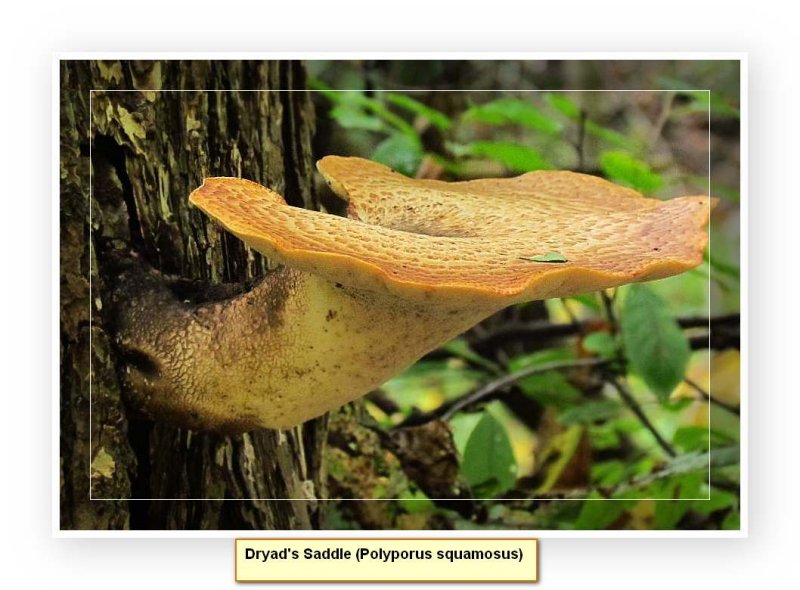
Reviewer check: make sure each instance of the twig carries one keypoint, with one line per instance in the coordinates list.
(572, 319)
(705, 395)
(581, 140)
(627, 397)
(383, 401)
(633, 406)
(446, 411)
(696, 386)
(703, 322)
(724, 332)
(723, 457)
(608, 305)
(622, 390)
(663, 117)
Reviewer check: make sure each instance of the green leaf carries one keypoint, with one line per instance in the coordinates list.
(462, 425)
(564, 105)
(587, 299)
(696, 438)
(564, 445)
(609, 473)
(353, 118)
(353, 110)
(541, 357)
(691, 438)
(669, 512)
(461, 349)
(488, 464)
(596, 514)
(437, 118)
(676, 405)
(654, 344)
(551, 388)
(624, 168)
(450, 166)
(703, 102)
(719, 500)
(610, 136)
(427, 383)
(323, 88)
(549, 257)
(338, 521)
(514, 111)
(643, 466)
(720, 267)
(568, 108)
(726, 192)
(415, 502)
(731, 522)
(601, 343)
(515, 157)
(604, 436)
(354, 104)
(401, 152)
(595, 411)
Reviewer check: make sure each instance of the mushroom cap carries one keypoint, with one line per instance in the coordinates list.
(467, 243)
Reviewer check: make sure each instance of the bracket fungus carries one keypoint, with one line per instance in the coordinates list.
(360, 298)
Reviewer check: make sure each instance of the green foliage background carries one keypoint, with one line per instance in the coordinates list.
(648, 436)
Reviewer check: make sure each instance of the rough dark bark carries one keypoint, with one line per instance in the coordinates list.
(156, 130)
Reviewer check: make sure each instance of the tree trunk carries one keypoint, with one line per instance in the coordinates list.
(153, 131)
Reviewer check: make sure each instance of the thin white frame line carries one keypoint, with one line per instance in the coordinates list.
(399, 90)
(710, 287)
(91, 298)
(398, 499)
(91, 126)
(744, 294)
(590, 56)
(55, 300)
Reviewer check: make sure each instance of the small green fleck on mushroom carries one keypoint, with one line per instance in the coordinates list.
(556, 257)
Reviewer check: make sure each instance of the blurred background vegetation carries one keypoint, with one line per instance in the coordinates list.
(609, 410)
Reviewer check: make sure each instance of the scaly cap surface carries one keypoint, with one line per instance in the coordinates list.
(467, 243)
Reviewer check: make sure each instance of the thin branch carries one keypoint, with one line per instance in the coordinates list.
(707, 397)
(723, 457)
(581, 143)
(634, 407)
(724, 332)
(383, 401)
(696, 386)
(539, 330)
(663, 117)
(608, 306)
(703, 322)
(572, 319)
(448, 410)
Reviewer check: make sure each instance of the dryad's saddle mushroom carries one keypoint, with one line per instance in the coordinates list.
(415, 263)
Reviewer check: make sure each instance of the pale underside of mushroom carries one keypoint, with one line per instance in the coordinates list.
(415, 263)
